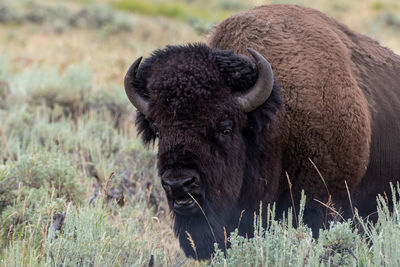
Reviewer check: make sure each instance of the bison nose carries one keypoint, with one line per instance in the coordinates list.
(183, 188)
(181, 185)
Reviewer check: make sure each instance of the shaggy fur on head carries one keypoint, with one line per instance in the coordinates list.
(342, 100)
(191, 90)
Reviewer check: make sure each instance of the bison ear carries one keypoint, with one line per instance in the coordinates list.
(144, 129)
(238, 71)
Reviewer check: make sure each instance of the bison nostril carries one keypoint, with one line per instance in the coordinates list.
(179, 183)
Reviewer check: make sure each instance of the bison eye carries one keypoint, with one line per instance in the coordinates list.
(226, 131)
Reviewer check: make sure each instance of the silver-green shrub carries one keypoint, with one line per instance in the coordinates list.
(60, 17)
(356, 242)
(88, 238)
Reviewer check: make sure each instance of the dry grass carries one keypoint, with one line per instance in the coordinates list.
(107, 55)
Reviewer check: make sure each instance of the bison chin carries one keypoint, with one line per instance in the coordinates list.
(204, 231)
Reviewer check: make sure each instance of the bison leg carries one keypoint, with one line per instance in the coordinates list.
(320, 209)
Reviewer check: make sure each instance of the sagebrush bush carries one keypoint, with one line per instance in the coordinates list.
(29, 216)
(101, 16)
(60, 17)
(32, 189)
(4, 83)
(274, 243)
(51, 172)
(21, 253)
(233, 5)
(342, 244)
(384, 236)
(114, 101)
(88, 238)
(70, 90)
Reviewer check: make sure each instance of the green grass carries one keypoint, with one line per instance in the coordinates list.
(172, 9)
(197, 15)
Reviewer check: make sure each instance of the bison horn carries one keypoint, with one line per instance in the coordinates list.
(262, 89)
(137, 100)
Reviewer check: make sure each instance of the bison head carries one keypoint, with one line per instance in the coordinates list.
(211, 111)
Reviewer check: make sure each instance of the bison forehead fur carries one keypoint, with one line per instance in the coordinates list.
(335, 111)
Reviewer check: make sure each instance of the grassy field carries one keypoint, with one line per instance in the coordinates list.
(69, 153)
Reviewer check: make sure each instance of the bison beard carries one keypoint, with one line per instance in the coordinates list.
(228, 134)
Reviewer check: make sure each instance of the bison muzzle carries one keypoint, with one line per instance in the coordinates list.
(277, 92)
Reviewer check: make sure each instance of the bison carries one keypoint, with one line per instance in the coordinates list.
(278, 95)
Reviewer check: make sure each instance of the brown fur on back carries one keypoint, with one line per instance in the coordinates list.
(330, 97)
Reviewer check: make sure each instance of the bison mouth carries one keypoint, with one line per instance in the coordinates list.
(186, 206)
(184, 190)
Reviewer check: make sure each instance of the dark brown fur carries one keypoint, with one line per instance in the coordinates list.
(341, 100)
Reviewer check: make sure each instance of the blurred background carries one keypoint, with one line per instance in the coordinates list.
(108, 34)
(66, 127)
